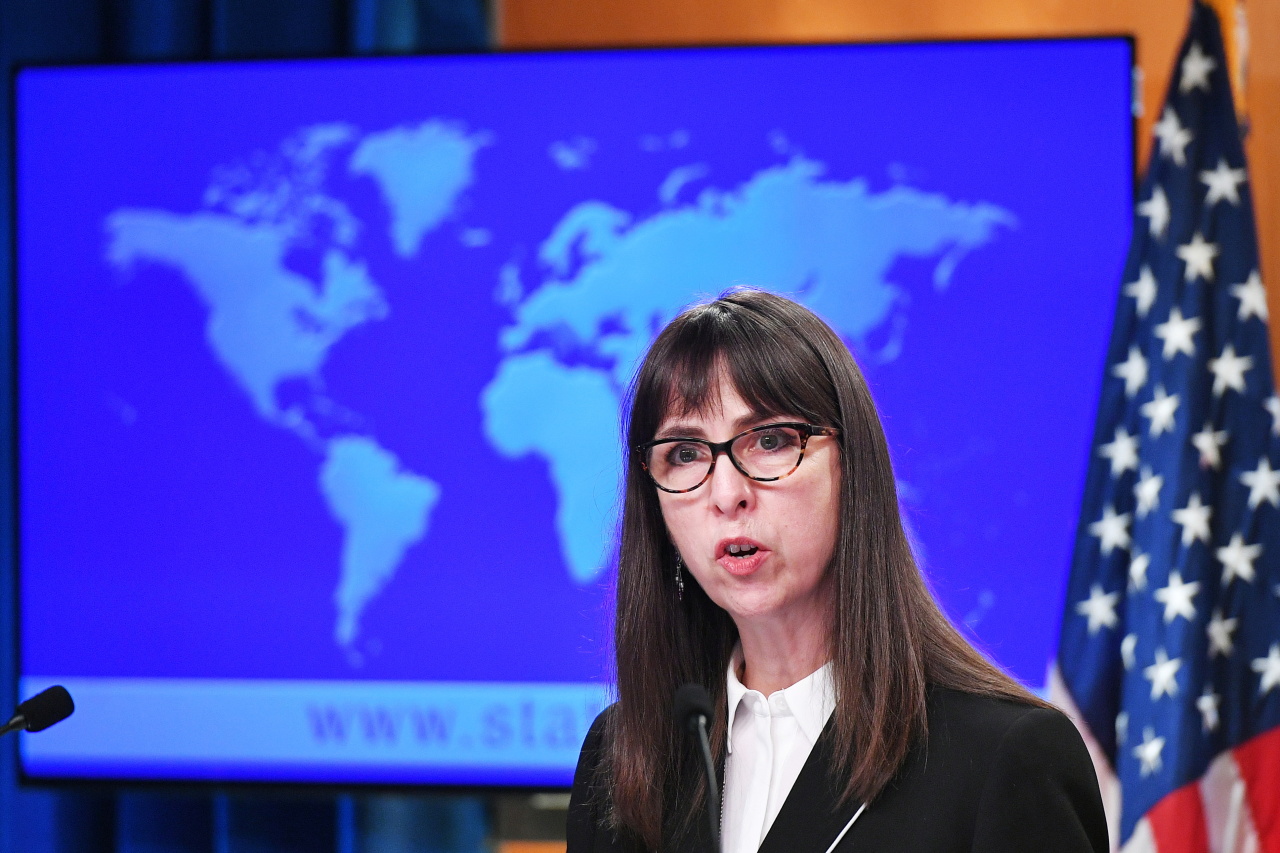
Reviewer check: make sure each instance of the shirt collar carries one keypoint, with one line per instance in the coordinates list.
(811, 699)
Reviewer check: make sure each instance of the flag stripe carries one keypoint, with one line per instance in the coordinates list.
(1141, 841)
(1178, 822)
(1259, 763)
(1225, 806)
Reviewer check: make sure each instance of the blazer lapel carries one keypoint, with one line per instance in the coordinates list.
(810, 818)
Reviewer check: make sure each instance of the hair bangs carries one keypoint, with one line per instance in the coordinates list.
(723, 340)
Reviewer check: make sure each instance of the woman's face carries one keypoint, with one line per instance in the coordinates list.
(792, 522)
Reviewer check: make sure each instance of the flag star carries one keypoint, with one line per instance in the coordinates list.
(1194, 518)
(1252, 296)
(1269, 669)
(1198, 256)
(1147, 491)
(1156, 209)
(1196, 66)
(1133, 370)
(1122, 727)
(1138, 572)
(1228, 370)
(1160, 410)
(1099, 608)
(1223, 183)
(1177, 333)
(1123, 452)
(1209, 443)
(1112, 530)
(1207, 705)
(1173, 137)
(1163, 675)
(1273, 409)
(1143, 290)
(1237, 559)
(1263, 483)
(1127, 647)
(1176, 598)
(1148, 752)
(1220, 631)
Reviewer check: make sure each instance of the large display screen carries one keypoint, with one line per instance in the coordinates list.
(321, 363)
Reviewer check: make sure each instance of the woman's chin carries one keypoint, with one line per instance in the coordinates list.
(753, 605)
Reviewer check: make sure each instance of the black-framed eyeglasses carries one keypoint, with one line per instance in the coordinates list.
(765, 453)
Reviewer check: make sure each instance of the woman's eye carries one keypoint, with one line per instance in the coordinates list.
(771, 441)
(683, 454)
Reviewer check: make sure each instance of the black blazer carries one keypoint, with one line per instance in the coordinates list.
(991, 777)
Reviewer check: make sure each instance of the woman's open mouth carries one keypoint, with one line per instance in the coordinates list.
(740, 556)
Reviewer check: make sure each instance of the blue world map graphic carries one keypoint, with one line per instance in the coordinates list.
(612, 280)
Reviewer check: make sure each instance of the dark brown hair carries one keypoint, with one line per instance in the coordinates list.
(888, 639)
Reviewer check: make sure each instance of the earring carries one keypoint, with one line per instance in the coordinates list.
(679, 578)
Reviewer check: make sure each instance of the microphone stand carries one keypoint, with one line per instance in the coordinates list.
(692, 710)
(713, 789)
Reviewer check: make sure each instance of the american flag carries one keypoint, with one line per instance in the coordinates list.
(1170, 644)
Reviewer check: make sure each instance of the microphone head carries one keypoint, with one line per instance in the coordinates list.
(46, 708)
(692, 701)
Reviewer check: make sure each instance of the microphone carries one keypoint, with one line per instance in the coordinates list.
(41, 711)
(693, 710)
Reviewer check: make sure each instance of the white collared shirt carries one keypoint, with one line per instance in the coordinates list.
(769, 741)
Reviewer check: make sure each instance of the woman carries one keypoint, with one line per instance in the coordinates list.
(763, 557)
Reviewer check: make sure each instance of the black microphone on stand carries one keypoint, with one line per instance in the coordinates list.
(41, 711)
(693, 711)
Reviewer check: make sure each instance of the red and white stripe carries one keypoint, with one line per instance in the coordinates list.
(1233, 808)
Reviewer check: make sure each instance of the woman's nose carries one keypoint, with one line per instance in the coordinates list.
(731, 490)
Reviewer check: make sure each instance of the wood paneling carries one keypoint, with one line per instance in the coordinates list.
(1263, 145)
(1157, 25)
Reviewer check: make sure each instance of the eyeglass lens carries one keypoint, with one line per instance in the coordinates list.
(762, 454)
